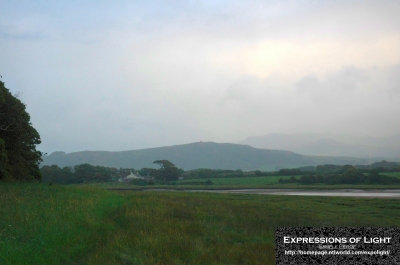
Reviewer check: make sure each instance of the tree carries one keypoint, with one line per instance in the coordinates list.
(19, 159)
(4, 166)
(88, 173)
(55, 174)
(168, 170)
(151, 172)
(164, 163)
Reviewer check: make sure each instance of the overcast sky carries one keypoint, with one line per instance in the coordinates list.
(125, 75)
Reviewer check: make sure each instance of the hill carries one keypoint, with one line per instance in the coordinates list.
(199, 155)
(330, 145)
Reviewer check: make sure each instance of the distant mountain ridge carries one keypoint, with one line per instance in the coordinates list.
(330, 145)
(199, 155)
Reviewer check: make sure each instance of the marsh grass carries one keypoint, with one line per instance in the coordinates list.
(241, 181)
(50, 224)
(85, 225)
(272, 182)
(263, 182)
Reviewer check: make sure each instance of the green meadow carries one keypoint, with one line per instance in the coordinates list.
(268, 182)
(240, 181)
(44, 224)
(263, 182)
(392, 174)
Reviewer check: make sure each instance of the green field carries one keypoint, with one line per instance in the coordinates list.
(240, 181)
(44, 224)
(267, 182)
(392, 174)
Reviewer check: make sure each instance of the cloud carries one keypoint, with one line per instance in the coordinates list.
(393, 79)
(293, 59)
(128, 75)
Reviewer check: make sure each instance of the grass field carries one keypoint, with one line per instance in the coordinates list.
(243, 186)
(269, 182)
(240, 181)
(43, 224)
(392, 174)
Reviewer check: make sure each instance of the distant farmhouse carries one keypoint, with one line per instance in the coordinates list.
(134, 176)
(130, 177)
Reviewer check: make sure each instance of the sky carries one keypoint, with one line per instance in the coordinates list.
(125, 75)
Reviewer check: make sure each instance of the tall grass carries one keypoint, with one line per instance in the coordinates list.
(50, 224)
(85, 225)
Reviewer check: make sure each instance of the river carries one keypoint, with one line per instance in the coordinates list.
(332, 193)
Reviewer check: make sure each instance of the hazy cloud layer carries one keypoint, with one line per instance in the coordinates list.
(98, 75)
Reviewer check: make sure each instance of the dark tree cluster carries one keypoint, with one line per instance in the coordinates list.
(329, 169)
(383, 166)
(88, 173)
(380, 167)
(290, 172)
(19, 159)
(55, 174)
(349, 175)
(167, 172)
(218, 173)
(84, 173)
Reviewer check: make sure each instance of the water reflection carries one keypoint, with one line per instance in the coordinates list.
(333, 193)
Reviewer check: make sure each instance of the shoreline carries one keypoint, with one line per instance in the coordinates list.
(377, 193)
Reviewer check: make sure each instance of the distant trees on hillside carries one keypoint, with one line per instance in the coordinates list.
(168, 172)
(84, 173)
(348, 175)
(55, 174)
(220, 173)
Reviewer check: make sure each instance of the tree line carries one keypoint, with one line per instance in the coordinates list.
(168, 173)
(345, 175)
(86, 173)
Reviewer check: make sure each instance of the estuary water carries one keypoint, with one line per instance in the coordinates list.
(332, 193)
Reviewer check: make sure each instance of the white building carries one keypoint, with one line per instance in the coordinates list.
(133, 176)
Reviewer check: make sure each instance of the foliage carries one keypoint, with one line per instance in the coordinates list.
(224, 178)
(164, 163)
(19, 159)
(84, 173)
(318, 170)
(219, 173)
(329, 168)
(290, 172)
(167, 172)
(149, 172)
(55, 174)
(4, 166)
(383, 166)
(350, 175)
(89, 173)
(258, 173)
